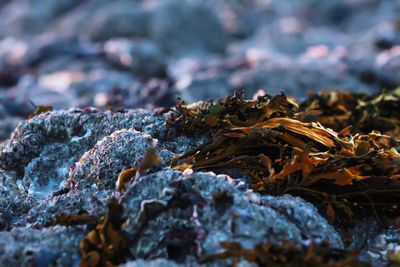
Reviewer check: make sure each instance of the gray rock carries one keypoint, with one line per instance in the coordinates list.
(203, 86)
(375, 242)
(141, 57)
(119, 151)
(14, 202)
(91, 201)
(302, 213)
(182, 28)
(390, 70)
(29, 17)
(55, 246)
(104, 88)
(151, 263)
(43, 149)
(85, 127)
(170, 215)
(296, 79)
(123, 19)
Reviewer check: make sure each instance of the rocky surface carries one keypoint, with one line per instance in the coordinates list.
(169, 214)
(145, 53)
(56, 245)
(104, 66)
(180, 211)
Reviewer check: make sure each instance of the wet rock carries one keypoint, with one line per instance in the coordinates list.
(32, 17)
(106, 88)
(91, 201)
(58, 246)
(169, 213)
(389, 66)
(182, 28)
(46, 49)
(14, 202)
(124, 19)
(302, 214)
(119, 151)
(375, 242)
(203, 86)
(152, 263)
(141, 57)
(43, 149)
(296, 79)
(83, 126)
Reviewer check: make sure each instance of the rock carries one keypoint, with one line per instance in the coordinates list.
(389, 66)
(203, 86)
(85, 127)
(29, 17)
(91, 201)
(170, 214)
(296, 79)
(50, 48)
(142, 57)
(119, 151)
(181, 28)
(375, 242)
(302, 214)
(123, 19)
(57, 246)
(14, 203)
(43, 149)
(151, 263)
(106, 88)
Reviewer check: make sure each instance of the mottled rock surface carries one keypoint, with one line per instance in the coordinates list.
(56, 245)
(74, 54)
(169, 214)
(177, 216)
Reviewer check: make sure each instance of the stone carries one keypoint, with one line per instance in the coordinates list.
(170, 215)
(58, 246)
(182, 28)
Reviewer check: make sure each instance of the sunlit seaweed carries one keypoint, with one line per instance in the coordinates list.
(284, 152)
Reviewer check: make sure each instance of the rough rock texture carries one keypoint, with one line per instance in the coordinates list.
(168, 213)
(55, 246)
(14, 202)
(151, 263)
(184, 28)
(142, 54)
(121, 150)
(67, 134)
(89, 149)
(103, 54)
(90, 201)
(143, 58)
(123, 19)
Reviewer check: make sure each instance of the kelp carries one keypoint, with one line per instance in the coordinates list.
(286, 148)
(39, 109)
(364, 112)
(337, 150)
(288, 254)
(151, 162)
(105, 245)
(202, 116)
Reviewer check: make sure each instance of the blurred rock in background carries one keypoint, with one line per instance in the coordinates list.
(145, 53)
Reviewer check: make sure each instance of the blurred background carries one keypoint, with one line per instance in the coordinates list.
(145, 53)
